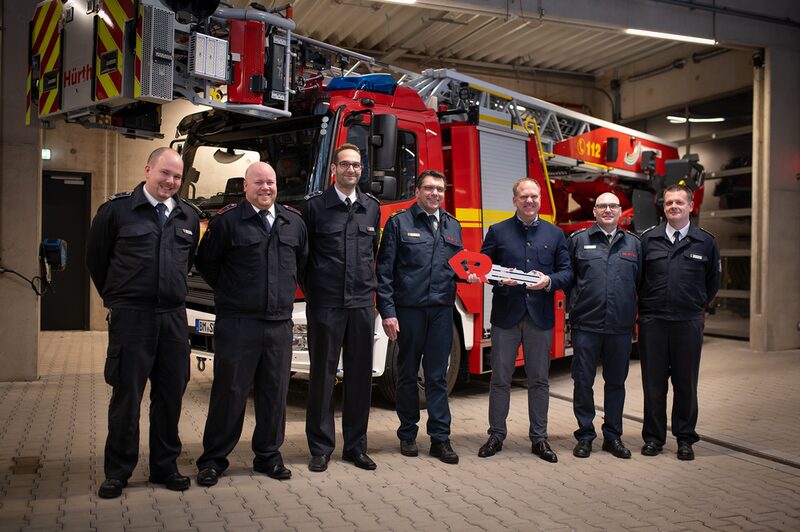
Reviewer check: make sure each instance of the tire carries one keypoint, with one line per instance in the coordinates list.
(387, 385)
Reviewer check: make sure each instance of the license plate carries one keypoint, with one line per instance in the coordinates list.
(204, 327)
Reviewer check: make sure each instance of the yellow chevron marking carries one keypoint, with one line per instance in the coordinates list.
(108, 85)
(53, 58)
(48, 104)
(105, 36)
(117, 13)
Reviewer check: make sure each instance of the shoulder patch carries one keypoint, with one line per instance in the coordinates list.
(292, 209)
(648, 229)
(227, 207)
(395, 213)
(706, 231)
(376, 200)
(119, 195)
(312, 195)
(579, 231)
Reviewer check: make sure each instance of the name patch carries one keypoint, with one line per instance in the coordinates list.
(590, 246)
(696, 257)
(188, 232)
(413, 234)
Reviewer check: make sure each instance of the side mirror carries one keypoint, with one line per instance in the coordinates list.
(384, 142)
(384, 187)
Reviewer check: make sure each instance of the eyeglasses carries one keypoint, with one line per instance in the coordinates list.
(431, 188)
(609, 206)
(344, 165)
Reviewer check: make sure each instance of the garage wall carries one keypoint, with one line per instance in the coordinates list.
(115, 162)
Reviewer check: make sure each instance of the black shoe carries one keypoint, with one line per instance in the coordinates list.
(174, 481)
(276, 471)
(408, 448)
(492, 446)
(360, 460)
(582, 449)
(617, 448)
(444, 452)
(542, 450)
(685, 451)
(651, 448)
(111, 488)
(318, 463)
(208, 476)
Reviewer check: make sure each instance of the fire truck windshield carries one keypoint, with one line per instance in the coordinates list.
(296, 148)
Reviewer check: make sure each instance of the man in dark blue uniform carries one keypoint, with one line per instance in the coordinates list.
(607, 263)
(680, 279)
(524, 314)
(339, 285)
(140, 249)
(416, 293)
(251, 255)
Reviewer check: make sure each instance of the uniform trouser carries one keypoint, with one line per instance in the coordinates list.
(670, 350)
(615, 352)
(142, 345)
(332, 331)
(426, 335)
(249, 352)
(536, 350)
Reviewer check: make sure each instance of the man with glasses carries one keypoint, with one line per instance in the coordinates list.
(680, 279)
(523, 314)
(251, 255)
(339, 286)
(416, 293)
(607, 262)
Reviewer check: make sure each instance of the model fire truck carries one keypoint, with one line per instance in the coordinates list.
(290, 101)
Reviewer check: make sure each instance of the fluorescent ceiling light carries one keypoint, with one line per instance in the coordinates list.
(672, 36)
(682, 119)
(402, 1)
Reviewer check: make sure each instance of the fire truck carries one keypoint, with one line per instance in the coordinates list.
(289, 100)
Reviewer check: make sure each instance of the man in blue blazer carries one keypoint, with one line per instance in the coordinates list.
(524, 314)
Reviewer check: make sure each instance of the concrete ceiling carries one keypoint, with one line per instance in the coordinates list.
(467, 38)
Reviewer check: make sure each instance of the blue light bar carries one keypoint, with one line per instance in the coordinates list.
(381, 83)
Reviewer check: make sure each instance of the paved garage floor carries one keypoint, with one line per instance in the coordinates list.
(746, 475)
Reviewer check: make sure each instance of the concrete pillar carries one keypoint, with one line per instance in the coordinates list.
(20, 200)
(775, 274)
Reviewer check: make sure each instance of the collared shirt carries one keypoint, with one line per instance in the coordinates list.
(270, 213)
(683, 231)
(610, 235)
(536, 219)
(343, 197)
(169, 203)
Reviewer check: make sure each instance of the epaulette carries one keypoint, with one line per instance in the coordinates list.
(227, 207)
(119, 195)
(292, 209)
(367, 194)
(706, 231)
(632, 234)
(395, 213)
(312, 195)
(448, 214)
(579, 231)
(648, 230)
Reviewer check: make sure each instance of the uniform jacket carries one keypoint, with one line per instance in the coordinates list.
(342, 249)
(134, 262)
(678, 281)
(602, 298)
(253, 273)
(412, 261)
(541, 247)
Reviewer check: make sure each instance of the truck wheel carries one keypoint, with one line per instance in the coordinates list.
(387, 385)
